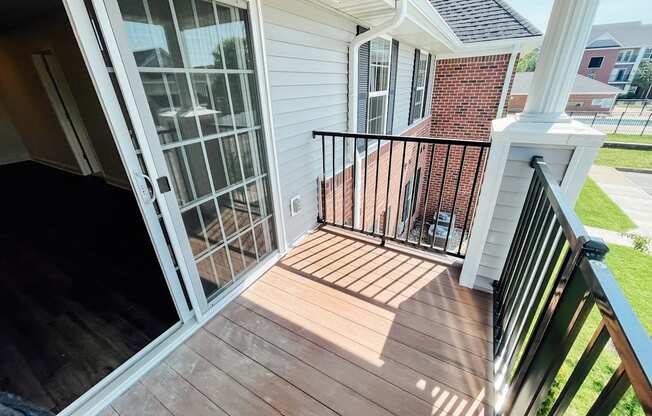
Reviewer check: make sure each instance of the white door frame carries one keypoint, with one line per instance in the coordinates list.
(126, 71)
(94, 400)
(65, 108)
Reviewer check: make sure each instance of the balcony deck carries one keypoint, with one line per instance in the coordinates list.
(339, 326)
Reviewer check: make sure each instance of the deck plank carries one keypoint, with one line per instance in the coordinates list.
(339, 326)
(276, 391)
(336, 396)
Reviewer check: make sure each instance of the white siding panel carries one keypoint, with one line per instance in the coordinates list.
(307, 49)
(511, 196)
(404, 71)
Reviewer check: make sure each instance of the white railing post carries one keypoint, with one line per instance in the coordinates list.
(542, 129)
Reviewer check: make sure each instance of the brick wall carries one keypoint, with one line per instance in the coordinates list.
(466, 97)
(608, 62)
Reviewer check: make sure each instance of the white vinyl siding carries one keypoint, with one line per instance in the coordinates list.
(513, 189)
(307, 54)
(403, 87)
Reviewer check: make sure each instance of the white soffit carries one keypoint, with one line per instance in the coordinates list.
(423, 27)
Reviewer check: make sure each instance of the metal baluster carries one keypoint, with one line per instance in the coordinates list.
(389, 179)
(425, 202)
(582, 370)
(364, 186)
(373, 226)
(354, 175)
(451, 224)
(343, 181)
(441, 194)
(611, 394)
(323, 170)
(400, 191)
(468, 206)
(334, 182)
(414, 192)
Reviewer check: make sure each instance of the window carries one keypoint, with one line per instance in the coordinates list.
(627, 55)
(619, 75)
(419, 85)
(647, 54)
(379, 63)
(602, 102)
(596, 62)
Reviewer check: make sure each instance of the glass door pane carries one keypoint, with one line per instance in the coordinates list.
(194, 61)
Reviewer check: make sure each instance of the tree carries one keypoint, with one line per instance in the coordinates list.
(643, 78)
(528, 62)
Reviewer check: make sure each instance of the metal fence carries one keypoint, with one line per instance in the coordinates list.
(632, 122)
(553, 276)
(417, 191)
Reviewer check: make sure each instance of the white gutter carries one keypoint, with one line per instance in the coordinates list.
(354, 49)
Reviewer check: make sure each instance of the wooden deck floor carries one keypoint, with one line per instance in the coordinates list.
(338, 327)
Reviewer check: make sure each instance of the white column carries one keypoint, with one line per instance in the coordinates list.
(563, 45)
(543, 129)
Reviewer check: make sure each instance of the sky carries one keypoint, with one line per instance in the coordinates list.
(609, 11)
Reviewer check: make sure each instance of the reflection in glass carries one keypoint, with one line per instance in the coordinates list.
(234, 32)
(225, 205)
(240, 206)
(248, 248)
(194, 230)
(265, 237)
(152, 38)
(242, 92)
(216, 163)
(198, 170)
(169, 100)
(237, 259)
(232, 160)
(199, 33)
(252, 149)
(211, 223)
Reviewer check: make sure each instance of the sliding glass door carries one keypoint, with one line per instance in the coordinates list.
(191, 63)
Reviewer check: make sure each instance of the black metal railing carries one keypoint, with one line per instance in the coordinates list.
(632, 122)
(553, 276)
(418, 191)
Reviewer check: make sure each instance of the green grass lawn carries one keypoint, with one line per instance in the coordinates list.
(629, 138)
(624, 158)
(595, 209)
(630, 269)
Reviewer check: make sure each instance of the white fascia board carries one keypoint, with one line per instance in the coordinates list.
(495, 47)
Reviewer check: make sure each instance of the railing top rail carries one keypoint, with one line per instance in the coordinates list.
(625, 329)
(572, 227)
(413, 139)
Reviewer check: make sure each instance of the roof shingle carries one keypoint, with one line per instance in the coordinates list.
(484, 20)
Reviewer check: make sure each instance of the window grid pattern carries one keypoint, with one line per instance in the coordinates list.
(420, 85)
(195, 63)
(380, 50)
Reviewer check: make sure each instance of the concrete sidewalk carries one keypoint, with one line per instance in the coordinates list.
(629, 196)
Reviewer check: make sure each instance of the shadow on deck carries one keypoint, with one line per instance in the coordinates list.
(339, 326)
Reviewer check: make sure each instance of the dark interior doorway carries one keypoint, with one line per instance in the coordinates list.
(81, 289)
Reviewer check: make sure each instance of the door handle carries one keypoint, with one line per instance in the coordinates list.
(147, 192)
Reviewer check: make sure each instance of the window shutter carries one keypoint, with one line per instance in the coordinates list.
(363, 83)
(415, 68)
(392, 87)
(424, 104)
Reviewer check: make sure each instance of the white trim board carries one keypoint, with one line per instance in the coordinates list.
(65, 108)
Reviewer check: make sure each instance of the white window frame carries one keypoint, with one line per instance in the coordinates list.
(426, 55)
(595, 67)
(383, 93)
